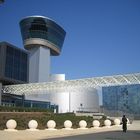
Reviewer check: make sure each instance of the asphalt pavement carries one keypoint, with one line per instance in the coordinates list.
(111, 135)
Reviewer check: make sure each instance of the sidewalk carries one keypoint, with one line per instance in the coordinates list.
(45, 134)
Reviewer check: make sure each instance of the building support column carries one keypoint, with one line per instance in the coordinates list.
(39, 64)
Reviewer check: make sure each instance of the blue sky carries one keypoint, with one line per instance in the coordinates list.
(103, 36)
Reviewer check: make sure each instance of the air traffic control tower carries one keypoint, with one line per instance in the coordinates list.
(43, 38)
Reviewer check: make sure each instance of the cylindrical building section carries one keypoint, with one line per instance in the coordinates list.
(84, 100)
(76, 99)
(57, 77)
(42, 37)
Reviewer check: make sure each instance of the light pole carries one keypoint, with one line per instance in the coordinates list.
(69, 102)
(81, 105)
(23, 99)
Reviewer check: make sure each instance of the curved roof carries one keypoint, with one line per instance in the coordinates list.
(39, 16)
(68, 85)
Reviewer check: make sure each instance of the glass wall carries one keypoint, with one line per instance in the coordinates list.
(124, 98)
(44, 28)
(20, 101)
(16, 65)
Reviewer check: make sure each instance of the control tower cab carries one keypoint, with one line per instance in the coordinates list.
(43, 38)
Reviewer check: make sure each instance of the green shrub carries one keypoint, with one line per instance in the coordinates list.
(42, 118)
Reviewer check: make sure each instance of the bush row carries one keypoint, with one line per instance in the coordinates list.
(23, 119)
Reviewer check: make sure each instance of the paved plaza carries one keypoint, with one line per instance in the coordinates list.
(112, 133)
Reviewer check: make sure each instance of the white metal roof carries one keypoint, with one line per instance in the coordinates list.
(71, 84)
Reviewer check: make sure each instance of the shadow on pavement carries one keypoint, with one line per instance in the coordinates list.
(110, 135)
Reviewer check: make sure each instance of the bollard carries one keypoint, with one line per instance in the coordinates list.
(32, 125)
(107, 123)
(83, 124)
(117, 122)
(11, 125)
(68, 125)
(51, 124)
(96, 124)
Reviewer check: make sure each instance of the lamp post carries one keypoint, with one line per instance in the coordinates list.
(23, 98)
(69, 102)
(81, 105)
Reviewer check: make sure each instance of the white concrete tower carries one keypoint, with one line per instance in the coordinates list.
(43, 38)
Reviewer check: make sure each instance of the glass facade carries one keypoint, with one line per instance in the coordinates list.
(125, 98)
(43, 28)
(19, 101)
(1, 1)
(16, 64)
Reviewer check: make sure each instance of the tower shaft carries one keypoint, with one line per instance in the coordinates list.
(39, 64)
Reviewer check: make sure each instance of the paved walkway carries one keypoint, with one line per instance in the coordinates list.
(112, 133)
